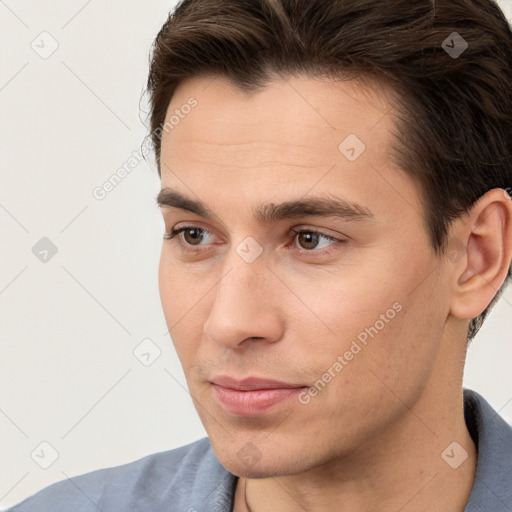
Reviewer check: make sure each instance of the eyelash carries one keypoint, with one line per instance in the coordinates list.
(324, 252)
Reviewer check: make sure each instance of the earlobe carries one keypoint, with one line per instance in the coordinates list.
(488, 231)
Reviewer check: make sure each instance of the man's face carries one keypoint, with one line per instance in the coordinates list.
(349, 307)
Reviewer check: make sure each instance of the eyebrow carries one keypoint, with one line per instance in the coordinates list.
(321, 206)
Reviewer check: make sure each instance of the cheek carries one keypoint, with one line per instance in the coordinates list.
(178, 301)
(349, 303)
(379, 328)
(167, 288)
(398, 349)
(377, 377)
(180, 291)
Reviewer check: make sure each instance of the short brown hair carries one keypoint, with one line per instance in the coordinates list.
(454, 125)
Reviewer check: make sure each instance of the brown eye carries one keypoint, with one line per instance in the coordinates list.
(193, 236)
(188, 236)
(308, 240)
(315, 243)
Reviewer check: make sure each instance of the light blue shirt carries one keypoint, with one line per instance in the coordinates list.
(191, 479)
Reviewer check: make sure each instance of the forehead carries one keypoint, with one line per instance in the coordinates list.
(296, 116)
(296, 136)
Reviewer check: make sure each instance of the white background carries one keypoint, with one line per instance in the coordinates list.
(68, 327)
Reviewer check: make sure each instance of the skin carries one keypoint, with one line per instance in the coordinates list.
(372, 438)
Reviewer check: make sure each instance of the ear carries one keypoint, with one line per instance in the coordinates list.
(481, 253)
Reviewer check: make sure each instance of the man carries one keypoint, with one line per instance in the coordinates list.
(335, 179)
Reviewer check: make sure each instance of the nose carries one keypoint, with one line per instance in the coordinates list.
(245, 307)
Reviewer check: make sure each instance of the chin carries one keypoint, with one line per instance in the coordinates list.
(249, 462)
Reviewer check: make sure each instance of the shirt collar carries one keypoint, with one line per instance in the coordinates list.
(492, 488)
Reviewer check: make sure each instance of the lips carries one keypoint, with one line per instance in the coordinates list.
(252, 396)
(252, 383)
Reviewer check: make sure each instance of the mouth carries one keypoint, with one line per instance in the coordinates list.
(252, 396)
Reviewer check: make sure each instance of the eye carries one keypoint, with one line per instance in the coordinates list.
(309, 240)
(191, 234)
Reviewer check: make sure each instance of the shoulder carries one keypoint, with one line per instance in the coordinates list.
(492, 488)
(180, 476)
